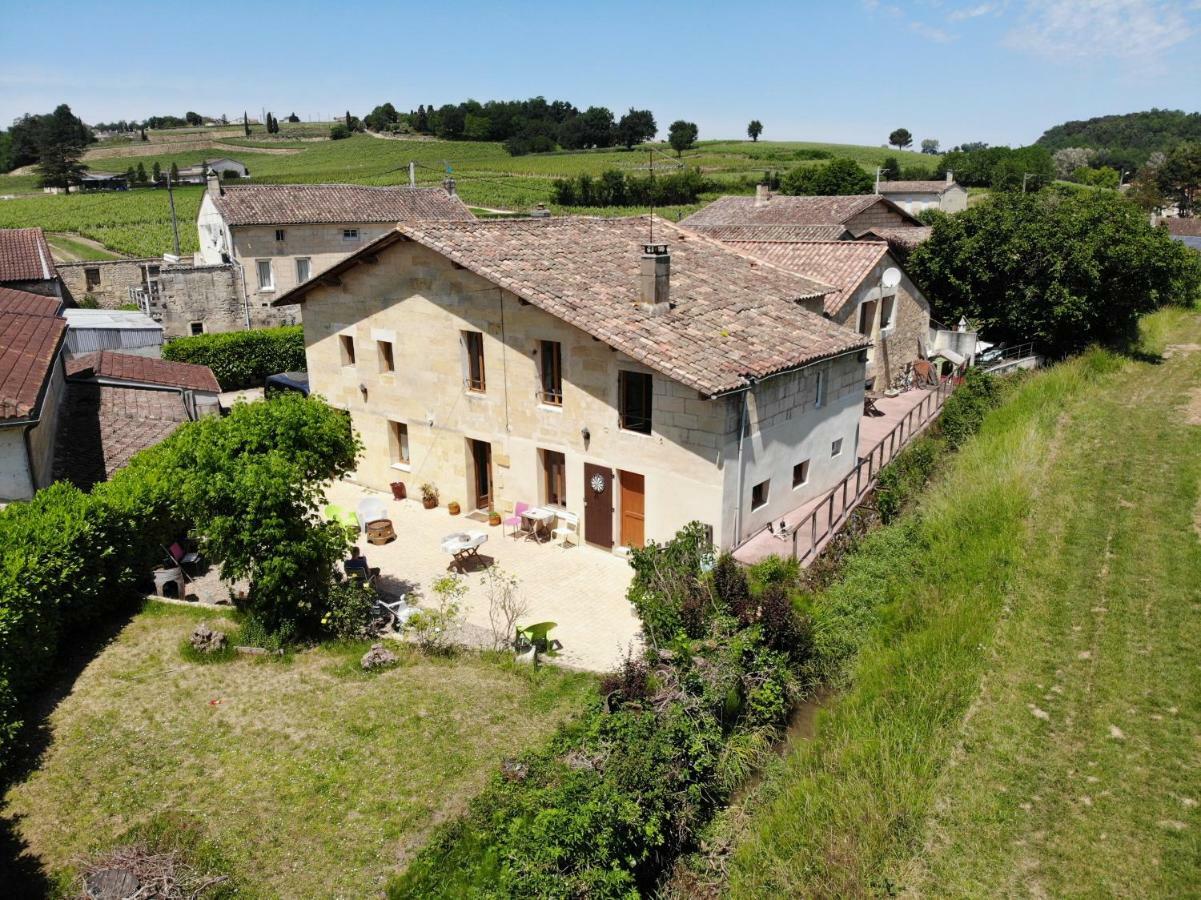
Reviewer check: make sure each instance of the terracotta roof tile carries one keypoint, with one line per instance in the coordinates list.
(299, 204)
(776, 232)
(145, 369)
(103, 426)
(732, 318)
(916, 187)
(902, 237)
(1190, 227)
(843, 264)
(25, 255)
(30, 338)
(780, 209)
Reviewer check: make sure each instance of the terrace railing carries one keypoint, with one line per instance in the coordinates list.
(814, 530)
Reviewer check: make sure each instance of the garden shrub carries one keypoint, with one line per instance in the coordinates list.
(902, 478)
(242, 359)
(964, 410)
(617, 794)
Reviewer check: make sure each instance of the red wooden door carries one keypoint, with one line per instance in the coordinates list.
(598, 505)
(633, 509)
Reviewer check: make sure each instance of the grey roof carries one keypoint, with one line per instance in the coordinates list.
(916, 187)
(302, 204)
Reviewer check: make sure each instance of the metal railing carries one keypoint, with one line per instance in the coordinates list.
(1007, 356)
(808, 537)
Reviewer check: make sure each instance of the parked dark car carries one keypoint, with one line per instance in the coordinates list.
(287, 381)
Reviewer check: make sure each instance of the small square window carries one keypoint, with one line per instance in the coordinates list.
(886, 312)
(759, 494)
(350, 234)
(387, 362)
(302, 270)
(346, 343)
(800, 473)
(197, 328)
(92, 276)
(836, 448)
(280, 234)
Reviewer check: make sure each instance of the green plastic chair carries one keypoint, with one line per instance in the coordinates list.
(538, 635)
(335, 513)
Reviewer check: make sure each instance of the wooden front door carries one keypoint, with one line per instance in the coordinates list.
(633, 507)
(481, 457)
(598, 505)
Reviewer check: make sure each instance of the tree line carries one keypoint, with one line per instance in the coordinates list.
(523, 126)
(1126, 141)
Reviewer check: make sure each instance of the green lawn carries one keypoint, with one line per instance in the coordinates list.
(69, 248)
(309, 777)
(486, 175)
(1025, 719)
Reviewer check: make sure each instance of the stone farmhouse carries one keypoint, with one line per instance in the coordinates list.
(280, 235)
(26, 263)
(223, 167)
(886, 308)
(630, 371)
(914, 196)
(32, 379)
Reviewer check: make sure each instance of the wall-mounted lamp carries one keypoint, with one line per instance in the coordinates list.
(363, 390)
(586, 435)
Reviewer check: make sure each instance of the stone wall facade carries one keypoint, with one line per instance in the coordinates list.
(107, 281)
(412, 306)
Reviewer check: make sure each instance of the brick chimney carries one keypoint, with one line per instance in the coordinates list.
(762, 194)
(654, 279)
(449, 184)
(212, 180)
(950, 176)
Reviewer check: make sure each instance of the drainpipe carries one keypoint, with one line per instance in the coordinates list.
(741, 441)
(33, 478)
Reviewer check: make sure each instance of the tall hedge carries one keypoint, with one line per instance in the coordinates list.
(242, 359)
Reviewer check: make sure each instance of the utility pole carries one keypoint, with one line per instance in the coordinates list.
(878, 180)
(174, 221)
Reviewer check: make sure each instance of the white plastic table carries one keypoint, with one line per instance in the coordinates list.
(540, 518)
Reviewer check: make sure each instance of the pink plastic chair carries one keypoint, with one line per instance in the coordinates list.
(515, 521)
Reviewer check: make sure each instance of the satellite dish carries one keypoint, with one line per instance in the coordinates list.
(891, 277)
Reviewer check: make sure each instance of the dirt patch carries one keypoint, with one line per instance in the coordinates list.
(1180, 350)
(1192, 409)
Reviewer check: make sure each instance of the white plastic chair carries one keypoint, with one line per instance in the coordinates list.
(370, 509)
(567, 530)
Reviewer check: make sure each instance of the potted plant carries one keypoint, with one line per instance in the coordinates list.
(493, 516)
(429, 496)
(453, 507)
(398, 490)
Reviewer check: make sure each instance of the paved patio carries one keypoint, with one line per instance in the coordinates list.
(872, 429)
(581, 588)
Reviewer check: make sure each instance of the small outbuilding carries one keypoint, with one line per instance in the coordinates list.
(112, 329)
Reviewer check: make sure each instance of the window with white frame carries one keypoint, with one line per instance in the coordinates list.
(280, 234)
(302, 270)
(819, 392)
(759, 494)
(398, 443)
(800, 473)
(887, 307)
(836, 448)
(266, 276)
(350, 234)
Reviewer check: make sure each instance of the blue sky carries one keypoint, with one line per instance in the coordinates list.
(956, 70)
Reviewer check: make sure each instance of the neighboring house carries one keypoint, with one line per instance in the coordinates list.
(1187, 231)
(914, 196)
(890, 311)
(283, 234)
(118, 404)
(110, 282)
(26, 263)
(32, 378)
(103, 181)
(224, 167)
(569, 362)
(112, 329)
(768, 216)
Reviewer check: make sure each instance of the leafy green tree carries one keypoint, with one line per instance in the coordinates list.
(635, 127)
(252, 483)
(930, 145)
(174, 173)
(838, 176)
(193, 118)
(246, 123)
(293, 118)
(891, 169)
(1103, 177)
(682, 135)
(382, 117)
(1180, 176)
(60, 147)
(157, 171)
(901, 138)
(6, 152)
(754, 129)
(1062, 267)
(338, 132)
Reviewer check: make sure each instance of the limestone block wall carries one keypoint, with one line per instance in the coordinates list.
(876, 215)
(321, 245)
(210, 299)
(115, 276)
(420, 303)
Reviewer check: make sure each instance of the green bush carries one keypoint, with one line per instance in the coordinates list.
(605, 808)
(902, 478)
(964, 410)
(242, 359)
